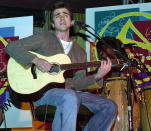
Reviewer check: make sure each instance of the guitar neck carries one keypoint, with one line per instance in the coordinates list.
(85, 65)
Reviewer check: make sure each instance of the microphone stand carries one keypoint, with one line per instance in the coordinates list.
(129, 91)
(127, 65)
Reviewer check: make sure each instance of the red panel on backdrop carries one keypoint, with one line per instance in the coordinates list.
(3, 69)
(144, 28)
(3, 56)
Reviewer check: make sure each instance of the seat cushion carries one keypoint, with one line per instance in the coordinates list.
(46, 113)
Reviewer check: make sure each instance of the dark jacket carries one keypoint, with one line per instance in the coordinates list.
(48, 44)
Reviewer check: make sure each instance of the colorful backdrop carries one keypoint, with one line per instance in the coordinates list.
(12, 29)
(130, 24)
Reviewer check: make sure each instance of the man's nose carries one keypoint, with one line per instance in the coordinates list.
(62, 17)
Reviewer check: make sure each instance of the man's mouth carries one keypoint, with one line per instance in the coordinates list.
(63, 24)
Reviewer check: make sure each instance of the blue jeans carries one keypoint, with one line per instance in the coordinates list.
(68, 102)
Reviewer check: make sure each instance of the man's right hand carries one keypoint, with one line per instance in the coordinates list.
(42, 64)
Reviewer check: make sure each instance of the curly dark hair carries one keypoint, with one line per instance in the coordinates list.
(109, 42)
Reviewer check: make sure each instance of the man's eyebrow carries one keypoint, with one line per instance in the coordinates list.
(66, 13)
(63, 13)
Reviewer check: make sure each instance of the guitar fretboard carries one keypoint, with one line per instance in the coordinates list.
(85, 65)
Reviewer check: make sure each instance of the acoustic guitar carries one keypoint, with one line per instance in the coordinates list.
(24, 80)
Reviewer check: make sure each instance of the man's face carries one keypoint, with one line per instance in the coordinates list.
(61, 19)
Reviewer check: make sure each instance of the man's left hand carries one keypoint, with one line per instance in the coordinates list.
(103, 69)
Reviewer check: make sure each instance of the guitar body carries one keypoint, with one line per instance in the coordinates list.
(21, 79)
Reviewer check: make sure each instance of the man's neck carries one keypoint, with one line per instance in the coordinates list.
(63, 35)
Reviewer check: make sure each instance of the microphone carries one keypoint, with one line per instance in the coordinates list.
(78, 23)
(127, 45)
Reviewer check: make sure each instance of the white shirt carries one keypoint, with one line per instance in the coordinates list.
(66, 46)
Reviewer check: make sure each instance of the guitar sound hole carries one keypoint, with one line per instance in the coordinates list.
(55, 69)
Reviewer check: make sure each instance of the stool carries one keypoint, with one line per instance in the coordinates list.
(45, 113)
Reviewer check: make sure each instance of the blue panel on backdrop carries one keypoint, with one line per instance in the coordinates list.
(103, 17)
(144, 18)
(7, 31)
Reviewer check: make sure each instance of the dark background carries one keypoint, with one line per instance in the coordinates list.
(16, 8)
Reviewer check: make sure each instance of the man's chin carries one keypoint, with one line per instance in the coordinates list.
(63, 30)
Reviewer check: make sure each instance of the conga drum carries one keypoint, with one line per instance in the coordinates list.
(115, 89)
(146, 109)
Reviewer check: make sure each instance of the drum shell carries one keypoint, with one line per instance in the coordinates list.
(145, 107)
(115, 89)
